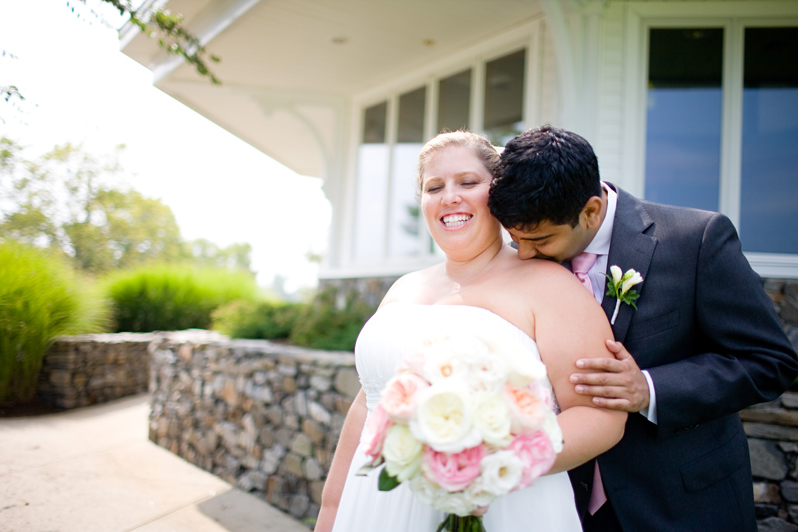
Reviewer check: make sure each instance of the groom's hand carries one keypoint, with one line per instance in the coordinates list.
(618, 383)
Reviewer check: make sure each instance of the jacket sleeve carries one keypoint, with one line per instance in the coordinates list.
(744, 355)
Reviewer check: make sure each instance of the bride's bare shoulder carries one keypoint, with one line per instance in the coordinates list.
(542, 275)
(414, 286)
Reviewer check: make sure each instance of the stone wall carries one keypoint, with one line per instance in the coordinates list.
(84, 370)
(264, 417)
(772, 430)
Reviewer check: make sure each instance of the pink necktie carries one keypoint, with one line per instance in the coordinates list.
(580, 265)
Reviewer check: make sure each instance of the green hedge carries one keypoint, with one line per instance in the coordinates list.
(331, 322)
(41, 298)
(327, 322)
(259, 320)
(174, 297)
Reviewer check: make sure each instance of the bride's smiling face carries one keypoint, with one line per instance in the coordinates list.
(454, 200)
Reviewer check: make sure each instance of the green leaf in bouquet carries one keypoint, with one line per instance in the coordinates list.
(387, 482)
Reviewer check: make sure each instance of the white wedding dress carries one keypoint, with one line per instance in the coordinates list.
(547, 506)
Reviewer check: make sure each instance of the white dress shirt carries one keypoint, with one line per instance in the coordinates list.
(600, 245)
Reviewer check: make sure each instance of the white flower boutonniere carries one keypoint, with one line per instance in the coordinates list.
(618, 286)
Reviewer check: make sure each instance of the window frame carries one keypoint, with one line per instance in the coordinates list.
(526, 37)
(733, 18)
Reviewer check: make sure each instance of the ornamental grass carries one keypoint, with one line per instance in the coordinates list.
(41, 298)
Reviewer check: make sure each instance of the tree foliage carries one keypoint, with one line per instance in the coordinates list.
(170, 31)
(68, 201)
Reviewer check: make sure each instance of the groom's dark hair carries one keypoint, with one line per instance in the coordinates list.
(544, 174)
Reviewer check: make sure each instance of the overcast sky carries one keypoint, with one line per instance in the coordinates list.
(80, 88)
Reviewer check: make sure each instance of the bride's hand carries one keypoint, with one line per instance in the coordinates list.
(480, 511)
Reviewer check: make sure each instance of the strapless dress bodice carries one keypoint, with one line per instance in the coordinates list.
(397, 329)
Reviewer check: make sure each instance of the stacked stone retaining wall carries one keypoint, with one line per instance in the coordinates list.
(262, 416)
(84, 370)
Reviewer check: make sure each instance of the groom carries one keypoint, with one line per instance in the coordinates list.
(703, 344)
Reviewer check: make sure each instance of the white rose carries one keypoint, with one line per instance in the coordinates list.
(501, 472)
(442, 360)
(402, 452)
(443, 418)
(492, 418)
(478, 493)
(553, 431)
(634, 279)
(456, 503)
(617, 274)
(523, 363)
(427, 492)
(488, 372)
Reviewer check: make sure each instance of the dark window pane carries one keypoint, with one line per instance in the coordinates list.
(769, 168)
(504, 97)
(411, 116)
(683, 118)
(454, 100)
(374, 124)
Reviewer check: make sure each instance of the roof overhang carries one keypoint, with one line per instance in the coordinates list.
(290, 68)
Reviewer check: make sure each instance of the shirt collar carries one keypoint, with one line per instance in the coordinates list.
(600, 245)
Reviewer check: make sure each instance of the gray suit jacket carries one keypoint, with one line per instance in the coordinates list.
(713, 345)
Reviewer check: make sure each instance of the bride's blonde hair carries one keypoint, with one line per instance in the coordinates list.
(479, 144)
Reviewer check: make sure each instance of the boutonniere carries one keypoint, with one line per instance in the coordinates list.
(619, 285)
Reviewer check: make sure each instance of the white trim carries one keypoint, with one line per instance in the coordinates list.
(380, 270)
(391, 124)
(564, 54)
(635, 52)
(774, 264)
(533, 78)
(476, 110)
(731, 122)
(715, 9)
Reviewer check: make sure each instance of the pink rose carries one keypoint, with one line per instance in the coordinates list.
(537, 454)
(374, 433)
(399, 396)
(527, 409)
(453, 472)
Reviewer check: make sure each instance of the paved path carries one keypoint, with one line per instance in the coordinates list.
(94, 470)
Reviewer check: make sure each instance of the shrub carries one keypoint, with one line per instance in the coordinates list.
(265, 320)
(331, 323)
(41, 298)
(174, 297)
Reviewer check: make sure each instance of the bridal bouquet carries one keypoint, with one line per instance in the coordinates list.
(465, 420)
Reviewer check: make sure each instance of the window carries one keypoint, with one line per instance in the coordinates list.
(403, 239)
(372, 184)
(684, 107)
(769, 166)
(387, 225)
(454, 102)
(722, 126)
(504, 97)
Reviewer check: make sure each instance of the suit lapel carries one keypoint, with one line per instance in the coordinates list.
(629, 248)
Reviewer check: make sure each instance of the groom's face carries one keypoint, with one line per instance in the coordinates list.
(551, 242)
(561, 242)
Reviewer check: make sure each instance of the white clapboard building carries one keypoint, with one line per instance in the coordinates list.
(689, 102)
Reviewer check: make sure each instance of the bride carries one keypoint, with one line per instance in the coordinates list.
(483, 286)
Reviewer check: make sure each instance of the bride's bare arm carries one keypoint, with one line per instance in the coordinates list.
(570, 325)
(347, 445)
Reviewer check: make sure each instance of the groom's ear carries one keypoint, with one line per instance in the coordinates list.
(591, 212)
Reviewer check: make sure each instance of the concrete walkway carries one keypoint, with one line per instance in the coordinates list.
(93, 469)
